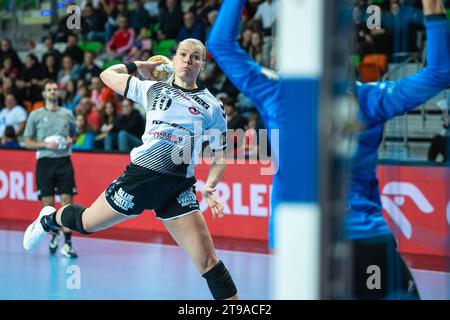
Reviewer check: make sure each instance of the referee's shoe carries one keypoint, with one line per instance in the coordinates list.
(68, 251)
(53, 246)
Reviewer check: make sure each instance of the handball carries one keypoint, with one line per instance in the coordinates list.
(164, 71)
(60, 140)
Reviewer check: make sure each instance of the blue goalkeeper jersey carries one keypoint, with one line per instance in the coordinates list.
(260, 85)
(378, 103)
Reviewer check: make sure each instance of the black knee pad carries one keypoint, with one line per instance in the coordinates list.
(71, 218)
(220, 282)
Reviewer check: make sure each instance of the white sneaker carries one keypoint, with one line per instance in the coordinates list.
(68, 251)
(35, 232)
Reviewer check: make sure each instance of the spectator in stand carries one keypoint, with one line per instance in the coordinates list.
(139, 17)
(73, 49)
(249, 147)
(8, 69)
(95, 23)
(50, 68)
(33, 49)
(440, 141)
(246, 39)
(12, 115)
(114, 11)
(234, 119)
(100, 94)
(9, 139)
(89, 69)
(236, 123)
(6, 50)
(210, 18)
(128, 129)
(8, 85)
(250, 9)
(267, 13)
(69, 71)
(256, 50)
(205, 8)
(88, 108)
(402, 21)
(122, 39)
(68, 96)
(108, 119)
(51, 51)
(32, 75)
(143, 43)
(85, 136)
(192, 28)
(171, 20)
(152, 7)
(81, 83)
(94, 3)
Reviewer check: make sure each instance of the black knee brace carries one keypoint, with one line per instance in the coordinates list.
(220, 282)
(71, 218)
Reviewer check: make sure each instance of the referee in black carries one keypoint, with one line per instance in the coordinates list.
(50, 130)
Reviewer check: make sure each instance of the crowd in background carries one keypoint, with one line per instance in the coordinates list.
(122, 31)
(115, 30)
(400, 34)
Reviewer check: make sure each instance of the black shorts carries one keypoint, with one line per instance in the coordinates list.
(138, 189)
(55, 176)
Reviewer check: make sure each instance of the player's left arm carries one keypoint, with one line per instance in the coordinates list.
(216, 171)
(217, 134)
(384, 100)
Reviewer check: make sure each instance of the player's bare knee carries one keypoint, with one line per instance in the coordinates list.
(208, 263)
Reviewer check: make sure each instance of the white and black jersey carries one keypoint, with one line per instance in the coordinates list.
(177, 122)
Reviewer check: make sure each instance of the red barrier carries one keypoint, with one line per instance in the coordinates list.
(416, 202)
(415, 199)
(244, 192)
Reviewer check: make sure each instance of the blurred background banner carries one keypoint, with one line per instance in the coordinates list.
(245, 194)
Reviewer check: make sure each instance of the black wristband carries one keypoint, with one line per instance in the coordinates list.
(131, 67)
(435, 16)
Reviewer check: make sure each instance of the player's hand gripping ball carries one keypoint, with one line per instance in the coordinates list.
(164, 71)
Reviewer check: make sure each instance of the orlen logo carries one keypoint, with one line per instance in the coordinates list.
(17, 185)
(399, 191)
(231, 196)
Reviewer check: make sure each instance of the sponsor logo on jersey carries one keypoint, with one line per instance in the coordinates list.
(167, 136)
(172, 125)
(194, 111)
(200, 102)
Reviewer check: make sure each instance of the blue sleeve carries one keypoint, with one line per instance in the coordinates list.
(235, 62)
(385, 100)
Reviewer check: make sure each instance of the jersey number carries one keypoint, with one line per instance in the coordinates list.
(161, 102)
